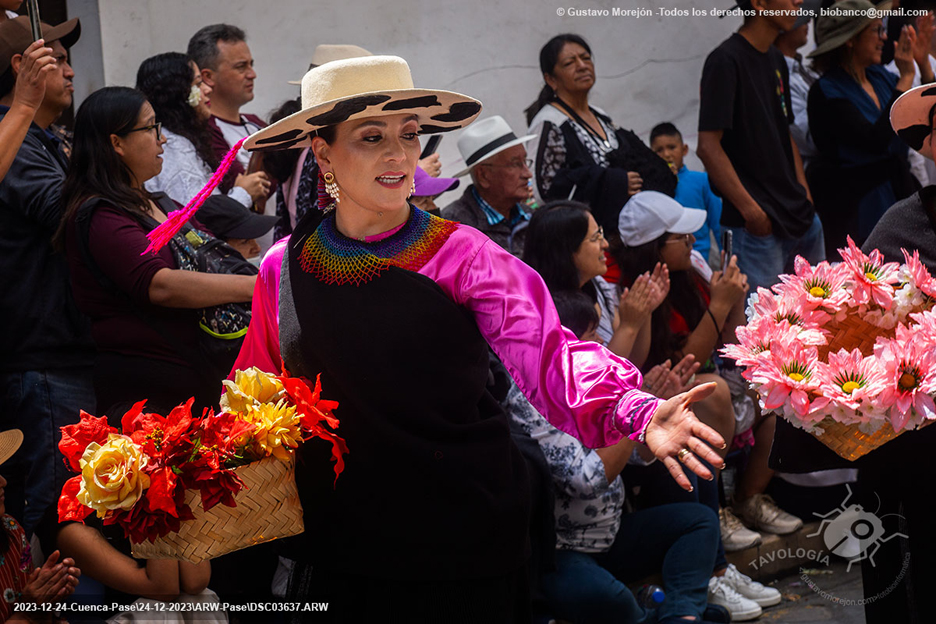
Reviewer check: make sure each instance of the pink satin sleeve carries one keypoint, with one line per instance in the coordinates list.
(580, 387)
(261, 344)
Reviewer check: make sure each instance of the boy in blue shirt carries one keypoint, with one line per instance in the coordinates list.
(692, 190)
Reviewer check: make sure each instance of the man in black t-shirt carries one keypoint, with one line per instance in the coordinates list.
(745, 142)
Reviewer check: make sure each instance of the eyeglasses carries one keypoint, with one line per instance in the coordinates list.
(682, 238)
(597, 236)
(880, 31)
(513, 164)
(156, 126)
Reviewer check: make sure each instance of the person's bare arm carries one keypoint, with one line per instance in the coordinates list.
(616, 457)
(176, 288)
(800, 171)
(158, 580)
(724, 177)
(194, 578)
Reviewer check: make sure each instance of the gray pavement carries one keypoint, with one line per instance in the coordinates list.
(804, 606)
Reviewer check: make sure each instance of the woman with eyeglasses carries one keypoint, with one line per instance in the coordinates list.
(143, 307)
(862, 167)
(567, 247)
(172, 83)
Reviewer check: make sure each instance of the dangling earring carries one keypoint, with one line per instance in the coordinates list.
(327, 191)
(412, 189)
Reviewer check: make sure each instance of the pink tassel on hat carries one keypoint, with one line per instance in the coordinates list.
(171, 226)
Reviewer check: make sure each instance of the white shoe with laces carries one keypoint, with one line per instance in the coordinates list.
(721, 592)
(761, 513)
(751, 589)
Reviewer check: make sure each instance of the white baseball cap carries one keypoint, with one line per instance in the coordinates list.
(649, 214)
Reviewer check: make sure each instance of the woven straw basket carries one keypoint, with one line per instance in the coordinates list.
(847, 440)
(267, 509)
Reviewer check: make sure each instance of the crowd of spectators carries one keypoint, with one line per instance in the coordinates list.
(627, 239)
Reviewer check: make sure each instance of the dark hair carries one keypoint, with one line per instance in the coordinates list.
(203, 46)
(7, 82)
(549, 56)
(555, 233)
(166, 81)
(665, 129)
(280, 164)
(576, 310)
(96, 170)
(685, 297)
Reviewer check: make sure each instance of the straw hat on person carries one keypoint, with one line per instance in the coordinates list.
(834, 31)
(326, 53)
(484, 139)
(911, 117)
(10, 441)
(358, 88)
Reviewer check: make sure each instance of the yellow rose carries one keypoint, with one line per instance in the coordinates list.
(112, 475)
(277, 430)
(250, 387)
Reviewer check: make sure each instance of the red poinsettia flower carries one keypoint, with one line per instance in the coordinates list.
(160, 437)
(313, 412)
(68, 506)
(76, 438)
(143, 522)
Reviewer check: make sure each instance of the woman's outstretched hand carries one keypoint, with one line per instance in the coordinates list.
(677, 438)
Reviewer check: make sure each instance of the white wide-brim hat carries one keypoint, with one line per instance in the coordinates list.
(649, 215)
(358, 88)
(484, 139)
(328, 52)
(910, 118)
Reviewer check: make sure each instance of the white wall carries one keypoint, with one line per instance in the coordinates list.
(648, 68)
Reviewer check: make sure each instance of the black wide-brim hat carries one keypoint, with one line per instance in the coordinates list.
(910, 118)
(358, 88)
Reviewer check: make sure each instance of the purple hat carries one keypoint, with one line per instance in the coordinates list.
(427, 186)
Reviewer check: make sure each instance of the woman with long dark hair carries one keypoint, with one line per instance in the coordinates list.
(172, 83)
(581, 154)
(142, 307)
(567, 248)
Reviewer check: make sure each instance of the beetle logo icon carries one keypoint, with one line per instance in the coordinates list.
(851, 532)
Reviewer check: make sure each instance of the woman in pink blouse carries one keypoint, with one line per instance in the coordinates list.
(397, 310)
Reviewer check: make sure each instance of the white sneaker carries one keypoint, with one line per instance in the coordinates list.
(761, 513)
(721, 592)
(735, 536)
(751, 589)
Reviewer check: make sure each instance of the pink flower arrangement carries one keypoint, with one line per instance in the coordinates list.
(797, 359)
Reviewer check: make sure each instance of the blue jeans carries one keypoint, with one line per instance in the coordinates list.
(39, 403)
(678, 539)
(764, 258)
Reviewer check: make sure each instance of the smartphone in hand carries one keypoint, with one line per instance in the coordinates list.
(726, 240)
(432, 146)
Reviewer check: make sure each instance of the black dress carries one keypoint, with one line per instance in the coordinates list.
(428, 522)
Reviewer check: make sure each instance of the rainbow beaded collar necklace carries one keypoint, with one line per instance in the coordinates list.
(336, 259)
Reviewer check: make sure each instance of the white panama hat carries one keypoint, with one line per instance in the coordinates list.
(484, 139)
(358, 88)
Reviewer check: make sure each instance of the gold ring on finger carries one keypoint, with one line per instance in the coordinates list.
(683, 454)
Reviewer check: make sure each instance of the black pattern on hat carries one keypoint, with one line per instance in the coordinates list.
(343, 110)
(417, 102)
(285, 136)
(459, 111)
(914, 136)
